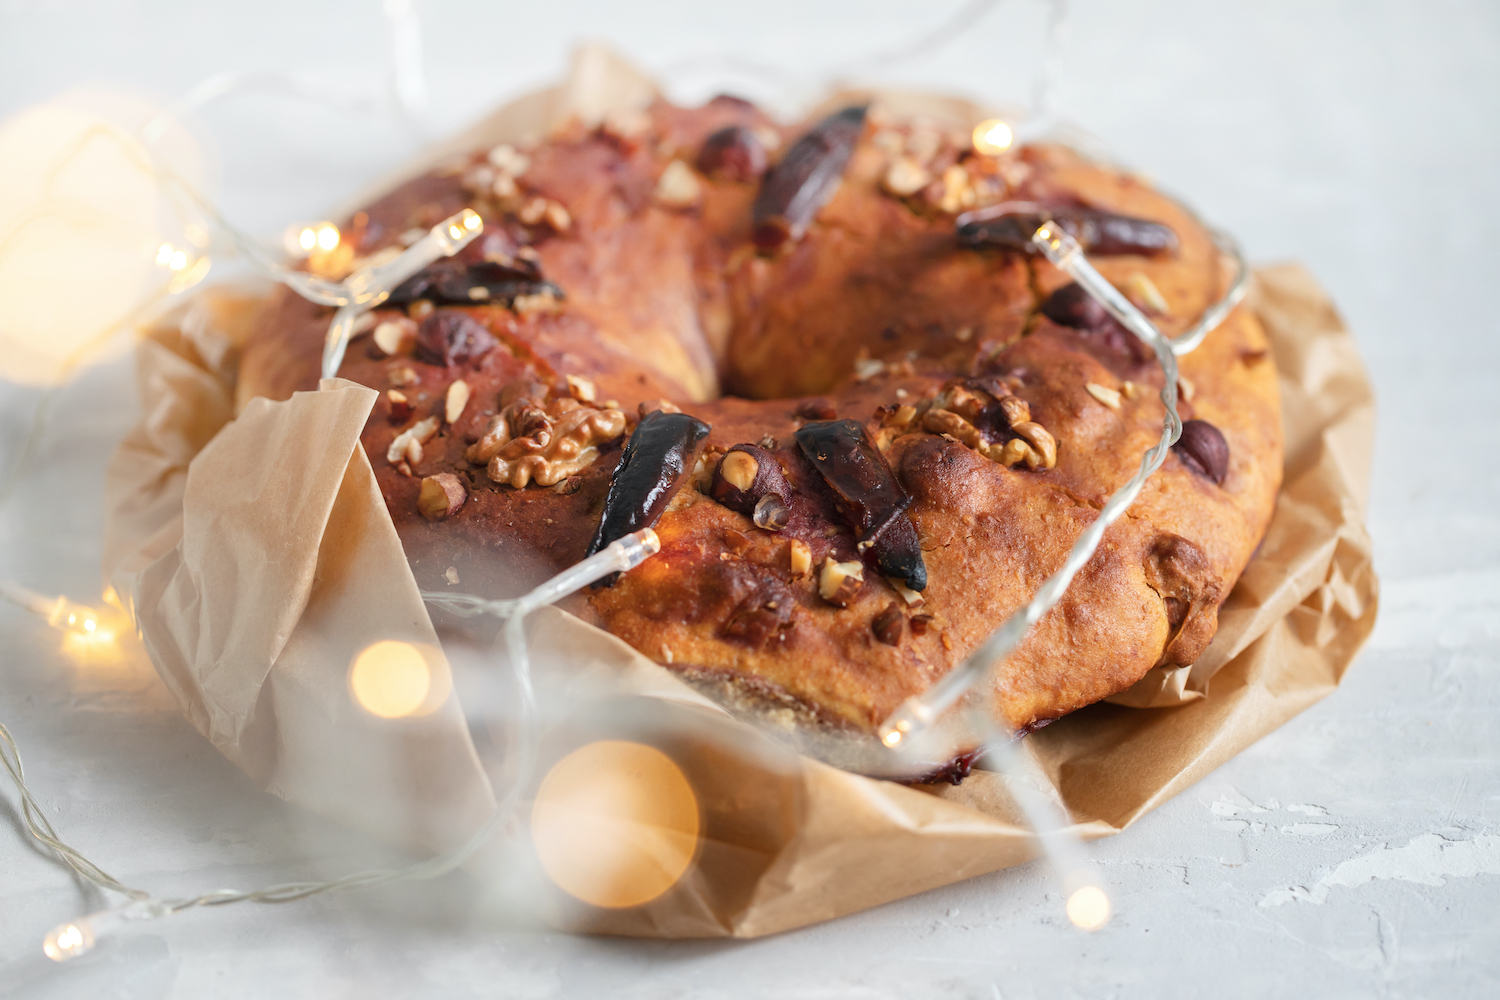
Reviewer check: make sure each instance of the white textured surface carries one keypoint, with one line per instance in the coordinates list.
(1352, 853)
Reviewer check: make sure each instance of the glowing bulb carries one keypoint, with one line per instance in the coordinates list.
(472, 220)
(615, 823)
(395, 679)
(328, 236)
(455, 232)
(992, 136)
(1088, 908)
(892, 738)
(67, 941)
(164, 254)
(307, 239)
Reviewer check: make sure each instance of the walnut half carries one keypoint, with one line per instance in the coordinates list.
(544, 441)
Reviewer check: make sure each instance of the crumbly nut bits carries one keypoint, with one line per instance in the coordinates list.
(441, 496)
(838, 582)
(678, 186)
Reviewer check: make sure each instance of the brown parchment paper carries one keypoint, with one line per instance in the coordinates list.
(257, 557)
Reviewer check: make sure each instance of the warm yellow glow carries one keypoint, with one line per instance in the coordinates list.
(892, 738)
(1088, 908)
(455, 232)
(82, 219)
(615, 823)
(396, 679)
(67, 941)
(992, 136)
(307, 239)
(328, 236)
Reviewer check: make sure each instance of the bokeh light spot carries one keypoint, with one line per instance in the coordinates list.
(1088, 908)
(615, 823)
(395, 679)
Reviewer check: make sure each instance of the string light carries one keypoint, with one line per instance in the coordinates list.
(992, 136)
(80, 620)
(74, 938)
(1064, 252)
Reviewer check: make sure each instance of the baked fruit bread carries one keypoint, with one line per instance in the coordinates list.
(865, 422)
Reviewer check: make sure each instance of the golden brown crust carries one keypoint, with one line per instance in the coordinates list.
(876, 308)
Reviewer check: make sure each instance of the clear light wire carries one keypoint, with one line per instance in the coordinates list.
(918, 713)
(73, 938)
(369, 286)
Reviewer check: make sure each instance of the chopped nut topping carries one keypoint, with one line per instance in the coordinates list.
(838, 582)
(679, 186)
(1140, 290)
(451, 575)
(652, 405)
(626, 123)
(558, 217)
(408, 444)
(957, 192)
(420, 309)
(455, 401)
(509, 160)
(541, 302)
(905, 177)
(442, 495)
(912, 598)
(505, 189)
(400, 406)
(405, 375)
(956, 427)
(581, 388)
(527, 442)
(865, 368)
(1016, 451)
(1185, 388)
(963, 334)
(799, 555)
(739, 468)
(889, 625)
(1130, 389)
(395, 336)
(1104, 394)
(1040, 439)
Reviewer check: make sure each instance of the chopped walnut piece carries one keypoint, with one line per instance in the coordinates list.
(956, 427)
(529, 442)
(838, 582)
(1040, 439)
(442, 495)
(678, 186)
(405, 375)
(411, 440)
(1015, 410)
(1104, 394)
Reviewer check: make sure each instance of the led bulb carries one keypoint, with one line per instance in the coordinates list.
(1088, 908)
(68, 940)
(992, 137)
